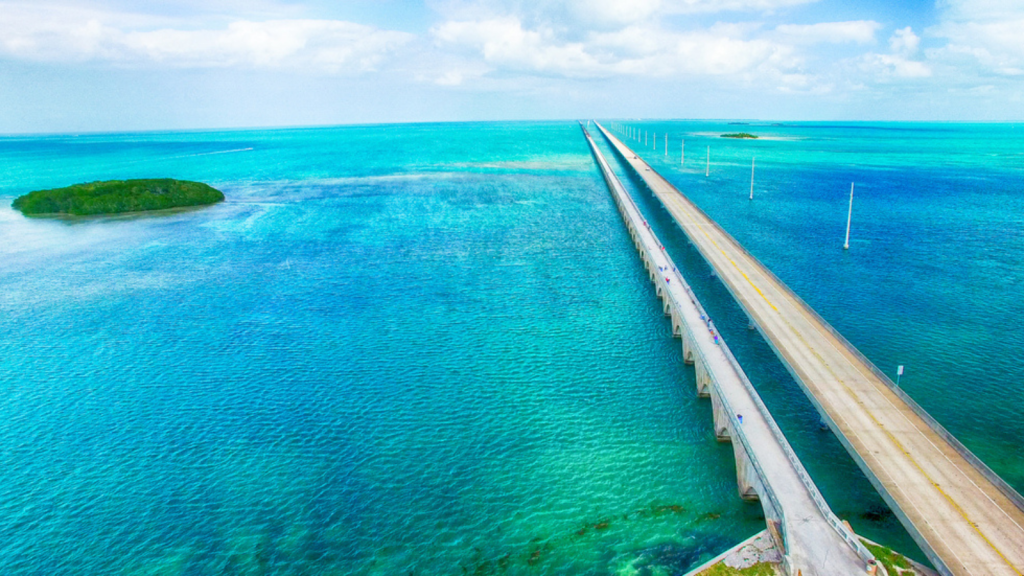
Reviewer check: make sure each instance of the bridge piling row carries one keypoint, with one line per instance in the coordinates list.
(748, 484)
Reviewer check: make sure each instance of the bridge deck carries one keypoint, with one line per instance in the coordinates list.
(957, 514)
(814, 537)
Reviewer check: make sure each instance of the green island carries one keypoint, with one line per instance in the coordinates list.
(117, 197)
(739, 135)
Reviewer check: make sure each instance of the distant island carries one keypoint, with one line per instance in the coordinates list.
(117, 197)
(739, 135)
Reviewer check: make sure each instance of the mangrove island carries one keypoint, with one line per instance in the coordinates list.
(739, 135)
(117, 197)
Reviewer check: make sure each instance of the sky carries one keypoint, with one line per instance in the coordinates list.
(120, 65)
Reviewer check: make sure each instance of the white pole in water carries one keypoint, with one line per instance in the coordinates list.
(849, 216)
(645, 137)
(899, 372)
(666, 144)
(707, 171)
(654, 140)
(682, 158)
(752, 160)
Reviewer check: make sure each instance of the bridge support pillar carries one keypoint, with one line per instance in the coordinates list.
(688, 353)
(703, 379)
(668, 306)
(746, 476)
(721, 418)
(677, 327)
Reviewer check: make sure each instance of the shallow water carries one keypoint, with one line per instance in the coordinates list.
(432, 348)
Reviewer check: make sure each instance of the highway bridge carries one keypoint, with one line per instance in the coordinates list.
(965, 518)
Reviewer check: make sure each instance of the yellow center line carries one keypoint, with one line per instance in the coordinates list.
(733, 262)
(899, 445)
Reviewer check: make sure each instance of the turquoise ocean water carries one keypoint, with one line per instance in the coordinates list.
(432, 349)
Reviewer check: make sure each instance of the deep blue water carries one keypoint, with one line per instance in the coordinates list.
(432, 348)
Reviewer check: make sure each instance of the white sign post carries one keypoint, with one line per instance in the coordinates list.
(899, 372)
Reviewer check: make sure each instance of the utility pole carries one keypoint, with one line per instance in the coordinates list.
(752, 160)
(849, 217)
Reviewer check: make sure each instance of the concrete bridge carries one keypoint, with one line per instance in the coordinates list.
(814, 540)
(965, 518)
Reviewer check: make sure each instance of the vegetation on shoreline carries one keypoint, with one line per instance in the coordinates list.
(117, 197)
(894, 563)
(739, 135)
(759, 569)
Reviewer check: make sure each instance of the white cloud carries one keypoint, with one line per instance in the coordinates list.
(997, 46)
(79, 35)
(985, 10)
(600, 13)
(904, 41)
(665, 53)
(696, 6)
(990, 31)
(505, 44)
(897, 65)
(652, 7)
(529, 47)
(887, 66)
(857, 31)
(327, 45)
(614, 11)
